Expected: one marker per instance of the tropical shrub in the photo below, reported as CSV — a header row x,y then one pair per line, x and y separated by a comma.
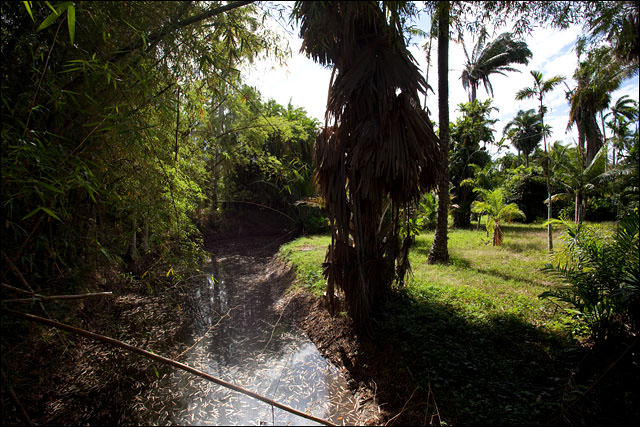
x,y
603,277
525,186
494,206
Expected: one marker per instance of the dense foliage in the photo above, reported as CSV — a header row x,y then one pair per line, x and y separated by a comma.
x,y
603,277
119,137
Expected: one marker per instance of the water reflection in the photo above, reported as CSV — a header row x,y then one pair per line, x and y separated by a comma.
x,y
251,346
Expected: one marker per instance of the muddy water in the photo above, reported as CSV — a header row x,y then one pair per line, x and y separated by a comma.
x,y
248,343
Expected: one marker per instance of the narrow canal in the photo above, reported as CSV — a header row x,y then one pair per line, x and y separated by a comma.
x,y
238,334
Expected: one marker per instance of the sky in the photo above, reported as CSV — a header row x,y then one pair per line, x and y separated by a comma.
x,y
306,83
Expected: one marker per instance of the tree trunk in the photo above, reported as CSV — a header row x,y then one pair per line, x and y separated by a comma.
x,y
613,159
145,235
548,181
526,159
439,251
594,138
426,78
133,253
578,208
604,140
175,160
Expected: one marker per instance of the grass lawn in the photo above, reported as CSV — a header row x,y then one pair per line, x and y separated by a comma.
x,y
475,329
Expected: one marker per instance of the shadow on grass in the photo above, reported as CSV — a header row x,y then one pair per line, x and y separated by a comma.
x,y
502,372
521,246
463,263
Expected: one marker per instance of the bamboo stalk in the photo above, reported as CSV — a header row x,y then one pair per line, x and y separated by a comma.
x,y
26,285
38,297
167,361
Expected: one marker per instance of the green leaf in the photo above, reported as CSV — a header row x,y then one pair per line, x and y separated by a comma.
x,y
48,21
50,213
40,208
71,21
53,9
55,15
27,5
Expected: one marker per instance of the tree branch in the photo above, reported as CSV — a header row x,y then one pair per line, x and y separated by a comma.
x,y
165,360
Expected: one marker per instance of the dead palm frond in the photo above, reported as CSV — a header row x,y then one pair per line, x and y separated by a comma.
x,y
380,149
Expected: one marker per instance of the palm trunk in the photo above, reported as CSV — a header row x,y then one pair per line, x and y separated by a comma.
x,y
604,140
594,138
439,251
548,181
427,74
579,208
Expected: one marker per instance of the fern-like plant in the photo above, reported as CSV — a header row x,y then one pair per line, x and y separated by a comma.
x,y
602,272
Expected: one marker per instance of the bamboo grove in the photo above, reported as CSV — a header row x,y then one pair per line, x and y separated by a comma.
x,y
125,124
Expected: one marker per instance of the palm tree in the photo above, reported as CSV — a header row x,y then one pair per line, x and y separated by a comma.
x,y
492,204
597,77
380,153
624,111
439,252
577,179
525,132
539,89
492,58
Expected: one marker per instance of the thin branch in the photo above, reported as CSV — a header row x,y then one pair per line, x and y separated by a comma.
x,y
15,269
274,329
44,70
205,334
403,407
260,205
38,297
165,360
13,288
16,401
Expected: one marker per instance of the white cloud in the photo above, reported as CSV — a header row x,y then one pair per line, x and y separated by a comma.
x,y
306,83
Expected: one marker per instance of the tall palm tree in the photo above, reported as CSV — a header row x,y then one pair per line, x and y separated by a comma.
x,y
380,153
439,252
540,88
597,76
493,58
625,110
525,132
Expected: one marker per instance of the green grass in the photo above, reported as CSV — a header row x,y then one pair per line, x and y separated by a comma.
x,y
475,329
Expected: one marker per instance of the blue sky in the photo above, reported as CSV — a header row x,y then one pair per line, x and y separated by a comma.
x,y
306,83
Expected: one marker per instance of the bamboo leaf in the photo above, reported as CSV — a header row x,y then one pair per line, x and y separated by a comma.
x,y
27,5
71,21
45,210
56,14
53,9
48,21
51,213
